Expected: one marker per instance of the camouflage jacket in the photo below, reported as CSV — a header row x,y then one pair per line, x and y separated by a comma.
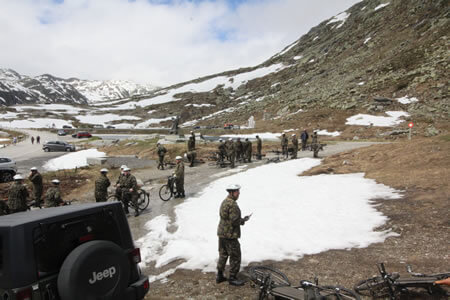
x,y
230,147
221,147
101,184
191,145
129,182
230,220
258,144
53,197
239,146
17,197
284,141
248,147
294,142
161,150
179,170
119,180
36,179
314,138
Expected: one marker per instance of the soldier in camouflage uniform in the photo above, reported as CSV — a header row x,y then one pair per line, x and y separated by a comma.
x,y
315,146
240,154
161,153
229,231
222,150
179,177
244,151
129,188
101,186
231,151
284,145
258,148
191,144
193,139
36,179
17,195
248,150
53,195
117,185
294,141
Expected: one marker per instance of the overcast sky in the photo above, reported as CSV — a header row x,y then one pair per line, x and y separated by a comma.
x,y
151,41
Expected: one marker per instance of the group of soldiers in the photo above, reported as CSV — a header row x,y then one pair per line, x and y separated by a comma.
x,y
238,151
315,146
18,194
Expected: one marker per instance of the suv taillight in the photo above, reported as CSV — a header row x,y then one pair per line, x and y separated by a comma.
x,y
135,255
25,294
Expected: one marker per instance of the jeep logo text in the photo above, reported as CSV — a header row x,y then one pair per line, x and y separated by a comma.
x,y
102,275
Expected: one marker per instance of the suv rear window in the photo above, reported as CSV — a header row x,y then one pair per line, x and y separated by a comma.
x,y
53,242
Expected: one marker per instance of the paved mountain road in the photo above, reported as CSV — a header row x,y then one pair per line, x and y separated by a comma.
x,y
28,155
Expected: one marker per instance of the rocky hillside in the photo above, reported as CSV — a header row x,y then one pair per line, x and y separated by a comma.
x,y
360,61
20,89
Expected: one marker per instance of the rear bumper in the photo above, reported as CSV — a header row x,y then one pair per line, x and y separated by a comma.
x,y
137,290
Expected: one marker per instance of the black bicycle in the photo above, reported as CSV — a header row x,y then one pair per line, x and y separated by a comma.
x,y
274,283
143,199
168,190
391,285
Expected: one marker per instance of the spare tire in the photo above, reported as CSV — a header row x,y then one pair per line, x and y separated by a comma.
x,y
94,270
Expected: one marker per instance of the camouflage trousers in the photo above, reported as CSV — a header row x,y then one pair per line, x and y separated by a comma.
x,y
284,151
229,248
101,196
37,194
258,154
161,162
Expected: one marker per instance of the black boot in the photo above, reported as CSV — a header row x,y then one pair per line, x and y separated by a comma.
x,y
136,213
236,282
182,195
220,277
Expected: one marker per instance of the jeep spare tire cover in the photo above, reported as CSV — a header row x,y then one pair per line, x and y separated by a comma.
x,y
94,270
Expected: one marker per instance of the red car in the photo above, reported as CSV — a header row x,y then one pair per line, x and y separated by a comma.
x,y
82,134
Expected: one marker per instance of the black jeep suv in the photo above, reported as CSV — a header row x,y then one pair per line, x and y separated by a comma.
x,y
75,252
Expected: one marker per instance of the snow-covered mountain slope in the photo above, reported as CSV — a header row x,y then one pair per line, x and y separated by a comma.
x,y
97,90
20,89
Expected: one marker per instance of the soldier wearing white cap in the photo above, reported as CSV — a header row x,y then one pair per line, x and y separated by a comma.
x,y
129,188
179,177
53,195
229,231
117,185
17,195
101,186
36,179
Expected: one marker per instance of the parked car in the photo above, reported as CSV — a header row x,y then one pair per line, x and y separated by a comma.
x,y
98,126
70,252
110,127
81,134
57,146
67,126
62,132
8,169
228,126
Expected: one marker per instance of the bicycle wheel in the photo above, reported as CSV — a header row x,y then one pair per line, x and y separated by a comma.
x,y
143,199
112,197
374,287
259,274
165,193
337,292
